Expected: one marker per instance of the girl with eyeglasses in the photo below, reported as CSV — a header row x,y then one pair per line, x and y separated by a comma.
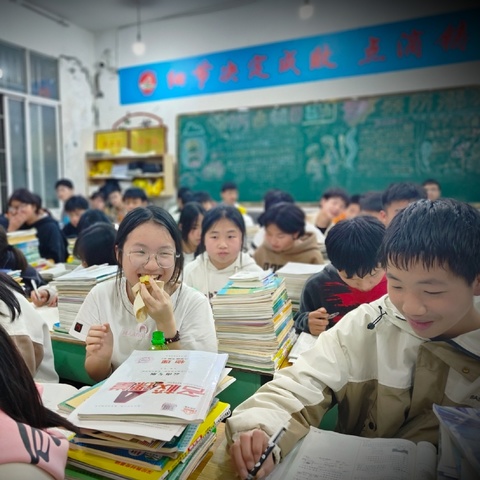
x,y
148,242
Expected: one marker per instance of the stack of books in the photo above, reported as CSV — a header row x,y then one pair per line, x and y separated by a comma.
x,y
27,242
459,449
154,418
254,323
296,275
73,287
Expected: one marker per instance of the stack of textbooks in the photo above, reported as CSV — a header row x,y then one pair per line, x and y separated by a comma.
x,y
73,287
27,242
253,320
459,450
154,418
296,275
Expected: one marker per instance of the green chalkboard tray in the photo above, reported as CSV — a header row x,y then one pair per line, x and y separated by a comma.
x,y
359,144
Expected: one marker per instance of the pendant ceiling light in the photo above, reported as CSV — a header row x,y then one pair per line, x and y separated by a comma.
x,y
138,47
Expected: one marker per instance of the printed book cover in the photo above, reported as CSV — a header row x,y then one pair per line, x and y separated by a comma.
x,y
170,386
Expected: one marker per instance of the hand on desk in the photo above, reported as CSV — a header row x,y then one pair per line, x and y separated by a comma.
x,y
318,321
43,298
246,451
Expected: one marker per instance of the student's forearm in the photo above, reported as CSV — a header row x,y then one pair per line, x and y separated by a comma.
x,y
97,368
301,321
25,346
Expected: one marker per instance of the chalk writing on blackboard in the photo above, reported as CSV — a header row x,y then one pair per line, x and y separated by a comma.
x,y
358,144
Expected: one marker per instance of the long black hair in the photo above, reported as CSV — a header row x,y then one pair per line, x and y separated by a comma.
x,y
19,396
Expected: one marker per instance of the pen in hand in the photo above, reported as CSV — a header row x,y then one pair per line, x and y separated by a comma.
x,y
333,315
35,288
272,442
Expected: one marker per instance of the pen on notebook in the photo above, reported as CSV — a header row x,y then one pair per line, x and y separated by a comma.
x,y
272,442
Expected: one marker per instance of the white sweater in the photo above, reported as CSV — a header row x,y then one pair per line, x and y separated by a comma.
x,y
202,275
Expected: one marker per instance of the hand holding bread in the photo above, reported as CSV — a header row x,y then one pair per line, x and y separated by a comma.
x,y
139,307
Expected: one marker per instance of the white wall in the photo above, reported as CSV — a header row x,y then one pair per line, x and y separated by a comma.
x,y
261,22
76,52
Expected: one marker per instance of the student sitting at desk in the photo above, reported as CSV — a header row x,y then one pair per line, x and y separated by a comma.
x,y
354,276
28,329
223,237
74,207
397,196
148,242
95,245
286,239
386,363
12,258
333,203
274,197
24,212
27,447
190,224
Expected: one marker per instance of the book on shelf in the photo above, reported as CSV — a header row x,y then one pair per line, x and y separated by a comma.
x,y
327,454
459,450
169,386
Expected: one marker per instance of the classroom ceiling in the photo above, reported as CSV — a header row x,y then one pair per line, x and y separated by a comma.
x,y
100,15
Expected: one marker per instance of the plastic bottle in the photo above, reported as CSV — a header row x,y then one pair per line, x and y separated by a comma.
x,y
158,341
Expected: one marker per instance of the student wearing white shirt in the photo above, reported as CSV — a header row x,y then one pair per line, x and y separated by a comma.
x,y
223,237
148,242
28,330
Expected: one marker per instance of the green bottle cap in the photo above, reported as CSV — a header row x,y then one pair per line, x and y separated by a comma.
x,y
158,338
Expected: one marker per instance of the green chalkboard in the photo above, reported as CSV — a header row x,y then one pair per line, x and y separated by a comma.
x,y
359,144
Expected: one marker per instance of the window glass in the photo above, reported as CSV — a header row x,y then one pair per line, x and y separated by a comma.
x,y
43,76
12,67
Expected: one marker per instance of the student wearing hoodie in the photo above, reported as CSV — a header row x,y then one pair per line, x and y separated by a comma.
x,y
388,362
285,239
221,255
24,212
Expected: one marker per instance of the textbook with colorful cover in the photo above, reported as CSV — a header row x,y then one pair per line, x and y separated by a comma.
x,y
169,386
332,455
135,464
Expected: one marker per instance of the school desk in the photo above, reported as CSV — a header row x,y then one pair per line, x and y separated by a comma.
x,y
69,359
217,464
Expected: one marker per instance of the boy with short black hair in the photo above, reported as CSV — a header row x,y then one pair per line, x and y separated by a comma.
x,y
433,189
75,207
134,197
353,277
371,204
333,203
229,193
397,196
388,362
64,189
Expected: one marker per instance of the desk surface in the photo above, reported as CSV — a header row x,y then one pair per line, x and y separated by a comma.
x,y
216,465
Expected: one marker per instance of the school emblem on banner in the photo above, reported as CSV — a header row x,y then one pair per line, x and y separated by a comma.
x,y
147,82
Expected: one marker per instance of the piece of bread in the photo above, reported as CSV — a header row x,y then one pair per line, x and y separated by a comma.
x,y
138,304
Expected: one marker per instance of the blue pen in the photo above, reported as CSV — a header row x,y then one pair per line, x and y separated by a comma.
x,y
272,442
